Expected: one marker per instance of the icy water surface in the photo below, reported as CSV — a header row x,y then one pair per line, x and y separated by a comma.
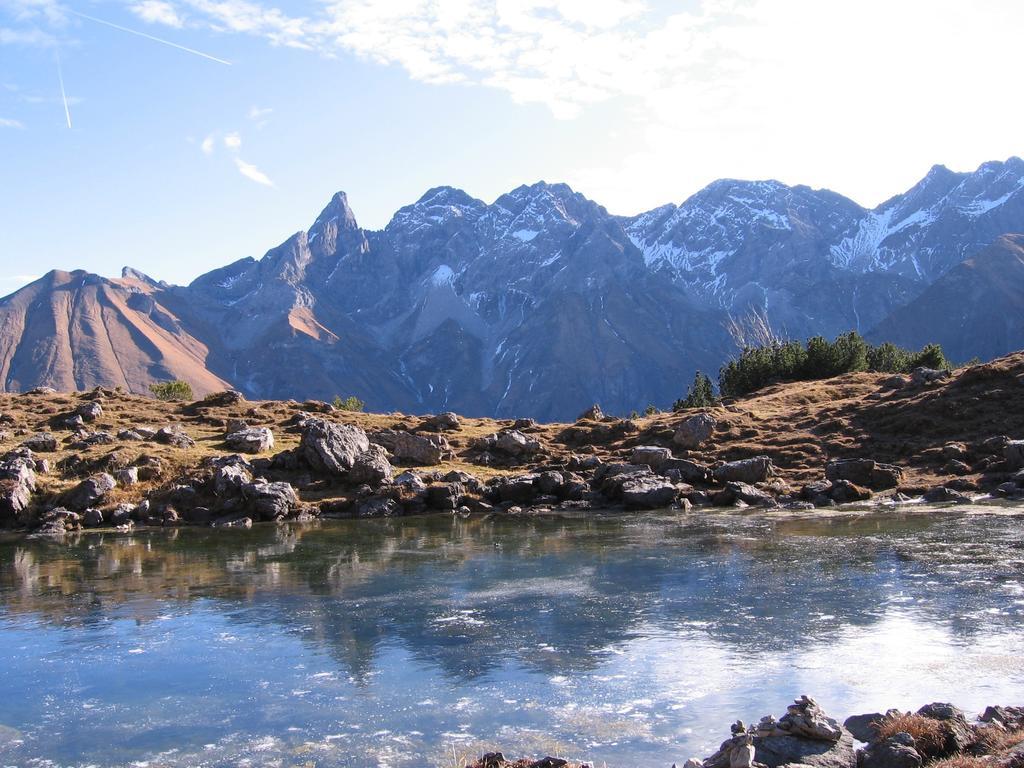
x,y
626,641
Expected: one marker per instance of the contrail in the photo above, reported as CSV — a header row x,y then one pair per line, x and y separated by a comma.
x,y
63,95
150,37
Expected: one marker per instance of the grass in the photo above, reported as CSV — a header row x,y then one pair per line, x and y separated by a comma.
x,y
930,734
992,740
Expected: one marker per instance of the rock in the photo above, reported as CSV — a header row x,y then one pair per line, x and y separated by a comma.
x,y
753,470
897,381
225,398
956,467
422,450
42,391
959,734
92,518
331,447
593,413
895,752
647,492
371,467
805,718
120,515
131,435
845,492
940,495
175,436
17,483
270,501
150,468
1013,452
127,476
511,442
865,472
379,506
695,431
776,751
235,425
445,496
864,727
96,438
924,376
954,451
230,475
521,488
89,411
89,492
744,492
689,471
43,442
74,422
410,480
251,440
442,422
651,455
243,523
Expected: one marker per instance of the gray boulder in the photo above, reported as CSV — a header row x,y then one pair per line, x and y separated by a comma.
x,y
1014,454
44,442
651,455
511,442
422,450
689,471
251,440
647,492
865,472
695,431
923,376
175,436
442,422
744,492
17,483
127,476
270,501
754,470
895,752
89,492
331,447
89,411
371,467
230,475
942,495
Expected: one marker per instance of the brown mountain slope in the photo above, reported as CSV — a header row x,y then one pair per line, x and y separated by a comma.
x,y
76,331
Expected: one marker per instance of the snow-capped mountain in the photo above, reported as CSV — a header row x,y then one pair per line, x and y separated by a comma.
x,y
542,302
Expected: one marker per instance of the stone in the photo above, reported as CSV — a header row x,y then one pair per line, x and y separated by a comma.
x,y
225,398
648,492
754,470
422,450
331,447
379,506
863,727
1013,452
521,488
43,442
442,422
175,436
695,431
954,451
120,515
92,518
127,476
243,523
895,752
89,492
131,435
744,492
593,413
230,475
270,501
920,377
865,472
235,425
371,467
959,734
651,455
410,480
941,495
251,440
89,411
845,492
689,471
896,381
445,496
511,442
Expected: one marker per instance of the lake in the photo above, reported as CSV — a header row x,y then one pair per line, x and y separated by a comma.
x,y
630,640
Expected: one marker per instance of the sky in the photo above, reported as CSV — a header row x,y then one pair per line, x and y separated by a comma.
x,y
176,136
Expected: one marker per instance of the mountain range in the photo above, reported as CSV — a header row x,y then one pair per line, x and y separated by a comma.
x,y
542,302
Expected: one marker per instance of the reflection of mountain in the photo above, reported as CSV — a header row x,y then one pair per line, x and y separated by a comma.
x,y
554,596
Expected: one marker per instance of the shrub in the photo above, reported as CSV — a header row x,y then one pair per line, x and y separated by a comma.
x,y
350,403
819,358
699,395
173,390
929,734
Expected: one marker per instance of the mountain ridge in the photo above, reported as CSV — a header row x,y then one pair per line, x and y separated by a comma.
x,y
538,303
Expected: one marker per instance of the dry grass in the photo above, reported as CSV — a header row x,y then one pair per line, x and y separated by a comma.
x,y
993,740
929,734
960,761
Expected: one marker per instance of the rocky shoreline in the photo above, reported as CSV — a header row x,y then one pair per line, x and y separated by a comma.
x,y
91,460
938,735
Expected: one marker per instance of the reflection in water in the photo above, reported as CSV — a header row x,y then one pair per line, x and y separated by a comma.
x,y
631,640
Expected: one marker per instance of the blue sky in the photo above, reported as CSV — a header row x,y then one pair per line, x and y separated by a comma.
x,y
176,164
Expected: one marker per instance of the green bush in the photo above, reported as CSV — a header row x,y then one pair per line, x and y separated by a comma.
x,y
819,358
350,403
172,390
699,395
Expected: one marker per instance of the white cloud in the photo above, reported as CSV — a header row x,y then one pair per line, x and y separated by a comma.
x,y
252,173
233,141
157,12
6,122
208,145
